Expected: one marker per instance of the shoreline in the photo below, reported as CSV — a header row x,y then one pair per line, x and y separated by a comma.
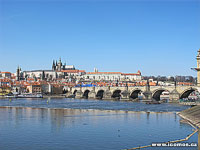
x,y
44,96
191,115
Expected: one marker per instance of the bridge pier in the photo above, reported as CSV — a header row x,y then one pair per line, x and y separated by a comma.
x,y
79,94
147,96
174,96
92,94
69,94
125,95
107,94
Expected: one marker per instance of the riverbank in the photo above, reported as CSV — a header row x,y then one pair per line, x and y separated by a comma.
x,y
192,115
44,96
54,96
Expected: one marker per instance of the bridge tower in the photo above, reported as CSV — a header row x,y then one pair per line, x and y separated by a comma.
x,y
198,68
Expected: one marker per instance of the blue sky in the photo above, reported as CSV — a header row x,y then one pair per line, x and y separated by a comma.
x,y
156,37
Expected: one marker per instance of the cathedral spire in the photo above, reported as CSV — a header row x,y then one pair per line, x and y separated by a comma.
x,y
60,65
53,65
18,73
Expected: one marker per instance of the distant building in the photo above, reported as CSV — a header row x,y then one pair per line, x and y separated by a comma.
x,y
73,72
5,90
103,76
113,76
59,70
19,74
5,74
42,74
34,89
58,66
5,82
132,76
52,89
16,89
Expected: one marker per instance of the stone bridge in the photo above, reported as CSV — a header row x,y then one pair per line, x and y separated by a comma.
x,y
130,93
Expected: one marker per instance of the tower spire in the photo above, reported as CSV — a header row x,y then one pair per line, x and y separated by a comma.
x,y
18,73
53,65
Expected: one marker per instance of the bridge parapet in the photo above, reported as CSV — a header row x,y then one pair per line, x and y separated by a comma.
x,y
175,92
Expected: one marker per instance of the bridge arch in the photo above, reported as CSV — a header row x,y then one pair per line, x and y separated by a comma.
x,y
99,94
156,94
65,91
85,93
135,93
116,94
187,92
74,92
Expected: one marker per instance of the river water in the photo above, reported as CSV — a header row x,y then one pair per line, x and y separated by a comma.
x,y
72,124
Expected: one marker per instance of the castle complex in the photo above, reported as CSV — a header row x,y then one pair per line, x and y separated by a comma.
x,y
70,73
59,70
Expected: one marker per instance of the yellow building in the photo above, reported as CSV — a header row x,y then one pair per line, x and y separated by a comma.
x,y
5,90
34,89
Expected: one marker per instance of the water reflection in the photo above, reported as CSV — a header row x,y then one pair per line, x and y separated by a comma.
x,y
92,104
45,128
69,117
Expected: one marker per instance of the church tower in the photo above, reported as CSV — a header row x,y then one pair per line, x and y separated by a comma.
x,y
198,68
60,65
53,66
18,73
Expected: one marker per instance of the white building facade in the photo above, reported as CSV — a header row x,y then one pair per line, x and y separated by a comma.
x,y
113,76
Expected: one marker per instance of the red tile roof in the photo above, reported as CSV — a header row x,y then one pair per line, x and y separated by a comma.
x,y
70,71
114,73
5,72
132,74
104,73
30,79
